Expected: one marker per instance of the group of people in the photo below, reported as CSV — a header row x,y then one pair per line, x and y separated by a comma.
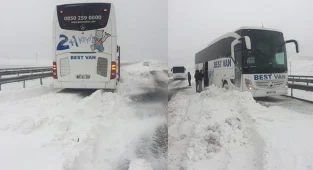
x,y
198,78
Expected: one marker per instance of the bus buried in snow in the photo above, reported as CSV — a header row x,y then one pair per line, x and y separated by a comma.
x,y
248,59
85,46
179,72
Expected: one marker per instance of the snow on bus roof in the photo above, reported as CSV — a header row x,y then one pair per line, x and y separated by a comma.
x,y
235,35
258,28
230,34
83,2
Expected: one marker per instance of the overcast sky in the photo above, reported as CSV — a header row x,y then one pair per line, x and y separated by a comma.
x,y
26,28
194,24
176,29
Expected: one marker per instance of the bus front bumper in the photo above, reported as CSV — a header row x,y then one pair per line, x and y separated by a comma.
x,y
265,93
85,85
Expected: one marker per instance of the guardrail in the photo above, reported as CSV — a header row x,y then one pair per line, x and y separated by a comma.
x,y
18,71
300,79
23,68
40,73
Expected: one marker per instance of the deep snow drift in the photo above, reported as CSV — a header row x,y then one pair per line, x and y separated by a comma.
x,y
228,130
85,129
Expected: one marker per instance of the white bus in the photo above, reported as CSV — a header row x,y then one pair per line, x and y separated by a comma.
x,y
85,46
179,73
249,59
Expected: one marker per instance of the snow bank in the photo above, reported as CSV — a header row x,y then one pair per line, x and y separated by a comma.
x,y
230,130
82,129
136,80
221,131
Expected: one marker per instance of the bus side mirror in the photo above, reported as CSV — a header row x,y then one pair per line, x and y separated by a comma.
x,y
248,42
117,49
296,43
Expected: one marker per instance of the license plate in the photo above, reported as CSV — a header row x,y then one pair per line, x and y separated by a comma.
x,y
83,76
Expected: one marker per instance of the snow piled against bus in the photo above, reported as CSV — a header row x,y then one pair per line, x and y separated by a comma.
x,y
229,130
79,130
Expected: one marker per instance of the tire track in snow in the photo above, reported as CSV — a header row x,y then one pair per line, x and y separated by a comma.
x,y
132,129
184,114
298,106
176,86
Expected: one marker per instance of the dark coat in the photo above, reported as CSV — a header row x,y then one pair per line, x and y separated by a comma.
x,y
197,75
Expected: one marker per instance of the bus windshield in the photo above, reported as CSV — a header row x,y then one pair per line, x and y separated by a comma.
x,y
83,17
178,69
267,54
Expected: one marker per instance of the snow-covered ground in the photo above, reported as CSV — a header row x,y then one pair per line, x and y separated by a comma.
x,y
229,130
45,128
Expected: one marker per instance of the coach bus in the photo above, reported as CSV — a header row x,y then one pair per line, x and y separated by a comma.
x,y
249,59
179,73
85,50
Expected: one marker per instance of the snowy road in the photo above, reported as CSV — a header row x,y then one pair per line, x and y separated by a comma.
x,y
230,131
45,128
288,103
176,85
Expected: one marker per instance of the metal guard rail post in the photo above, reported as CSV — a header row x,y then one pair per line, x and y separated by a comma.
x,y
24,78
300,79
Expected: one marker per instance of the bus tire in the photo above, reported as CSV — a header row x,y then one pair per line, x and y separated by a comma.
x,y
225,85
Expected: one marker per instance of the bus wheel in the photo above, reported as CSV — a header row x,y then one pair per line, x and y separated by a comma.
x,y
225,85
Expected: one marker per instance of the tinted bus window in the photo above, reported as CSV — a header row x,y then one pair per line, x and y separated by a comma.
x,y
178,69
83,17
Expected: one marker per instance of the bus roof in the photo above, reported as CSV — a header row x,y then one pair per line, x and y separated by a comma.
x,y
85,2
257,28
235,35
230,34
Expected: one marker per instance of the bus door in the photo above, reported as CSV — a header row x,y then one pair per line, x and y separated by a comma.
x,y
238,64
206,74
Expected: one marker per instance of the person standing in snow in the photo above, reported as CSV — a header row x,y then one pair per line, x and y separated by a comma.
x,y
197,76
189,78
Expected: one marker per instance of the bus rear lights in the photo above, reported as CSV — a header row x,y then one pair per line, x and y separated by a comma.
x,y
113,70
54,70
105,10
61,12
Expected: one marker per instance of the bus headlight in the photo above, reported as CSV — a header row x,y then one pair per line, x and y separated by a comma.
x,y
249,84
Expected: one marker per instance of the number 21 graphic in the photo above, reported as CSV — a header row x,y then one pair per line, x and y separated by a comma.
x,y
61,45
